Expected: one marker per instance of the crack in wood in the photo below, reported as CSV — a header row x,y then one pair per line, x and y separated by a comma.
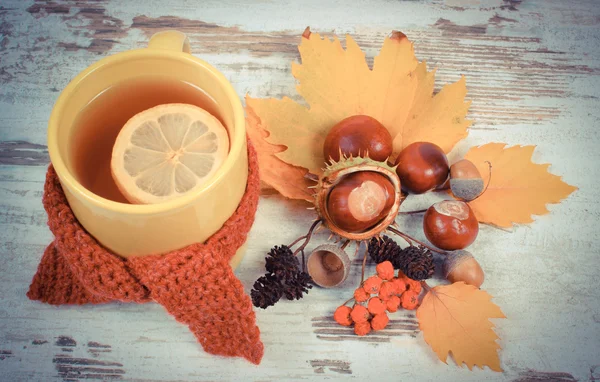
x,y
327,329
209,38
65,341
538,376
23,153
4,354
86,368
93,344
354,337
91,21
321,365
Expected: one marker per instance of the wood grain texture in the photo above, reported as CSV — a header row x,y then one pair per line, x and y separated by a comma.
x,y
533,76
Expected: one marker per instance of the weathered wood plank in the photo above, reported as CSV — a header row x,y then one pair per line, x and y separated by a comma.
x,y
532,71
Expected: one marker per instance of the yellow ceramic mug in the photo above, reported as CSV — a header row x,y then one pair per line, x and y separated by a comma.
x,y
135,230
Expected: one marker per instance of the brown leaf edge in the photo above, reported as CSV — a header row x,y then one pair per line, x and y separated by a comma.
x,y
487,177
289,180
431,291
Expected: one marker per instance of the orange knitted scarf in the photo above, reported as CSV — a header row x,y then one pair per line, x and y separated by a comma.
x,y
194,284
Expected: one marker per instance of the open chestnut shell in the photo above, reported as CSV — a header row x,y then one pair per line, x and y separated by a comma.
x,y
358,198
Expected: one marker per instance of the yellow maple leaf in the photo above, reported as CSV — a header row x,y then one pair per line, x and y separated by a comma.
x,y
337,83
455,318
518,188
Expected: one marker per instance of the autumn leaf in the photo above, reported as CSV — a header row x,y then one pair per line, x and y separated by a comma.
x,y
518,188
455,318
337,83
289,180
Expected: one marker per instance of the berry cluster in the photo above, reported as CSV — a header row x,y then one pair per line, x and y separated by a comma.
x,y
375,297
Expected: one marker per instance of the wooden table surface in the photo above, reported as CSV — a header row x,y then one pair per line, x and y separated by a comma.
x,y
532,71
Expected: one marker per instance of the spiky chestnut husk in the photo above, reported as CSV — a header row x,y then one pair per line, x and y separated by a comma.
x,y
335,173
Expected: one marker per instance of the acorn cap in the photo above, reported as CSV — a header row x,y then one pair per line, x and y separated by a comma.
x,y
466,189
328,265
453,259
465,180
471,272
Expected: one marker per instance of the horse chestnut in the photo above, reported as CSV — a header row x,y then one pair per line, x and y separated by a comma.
x,y
358,135
465,180
450,225
422,166
360,200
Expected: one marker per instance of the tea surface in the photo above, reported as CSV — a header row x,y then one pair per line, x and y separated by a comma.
x,y
98,124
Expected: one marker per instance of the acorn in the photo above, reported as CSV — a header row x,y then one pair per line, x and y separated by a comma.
x,y
422,167
466,182
461,266
358,198
358,135
328,265
450,225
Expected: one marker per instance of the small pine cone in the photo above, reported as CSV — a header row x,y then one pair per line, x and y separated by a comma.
x,y
281,263
266,291
295,287
416,263
405,256
383,249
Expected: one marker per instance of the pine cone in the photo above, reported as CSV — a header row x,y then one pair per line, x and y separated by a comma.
x,y
383,249
296,286
281,263
416,263
267,290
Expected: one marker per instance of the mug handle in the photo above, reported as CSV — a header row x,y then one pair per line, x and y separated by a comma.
x,y
170,40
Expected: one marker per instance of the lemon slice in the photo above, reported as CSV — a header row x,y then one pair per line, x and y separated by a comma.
x,y
167,151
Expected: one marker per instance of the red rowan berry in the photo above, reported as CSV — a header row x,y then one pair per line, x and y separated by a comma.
x,y
385,270
380,321
372,284
362,328
376,306
387,290
414,285
409,300
359,314
400,284
361,295
393,304
342,315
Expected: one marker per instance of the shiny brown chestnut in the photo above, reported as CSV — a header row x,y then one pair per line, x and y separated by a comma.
x,y
422,166
356,136
465,180
360,200
450,225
